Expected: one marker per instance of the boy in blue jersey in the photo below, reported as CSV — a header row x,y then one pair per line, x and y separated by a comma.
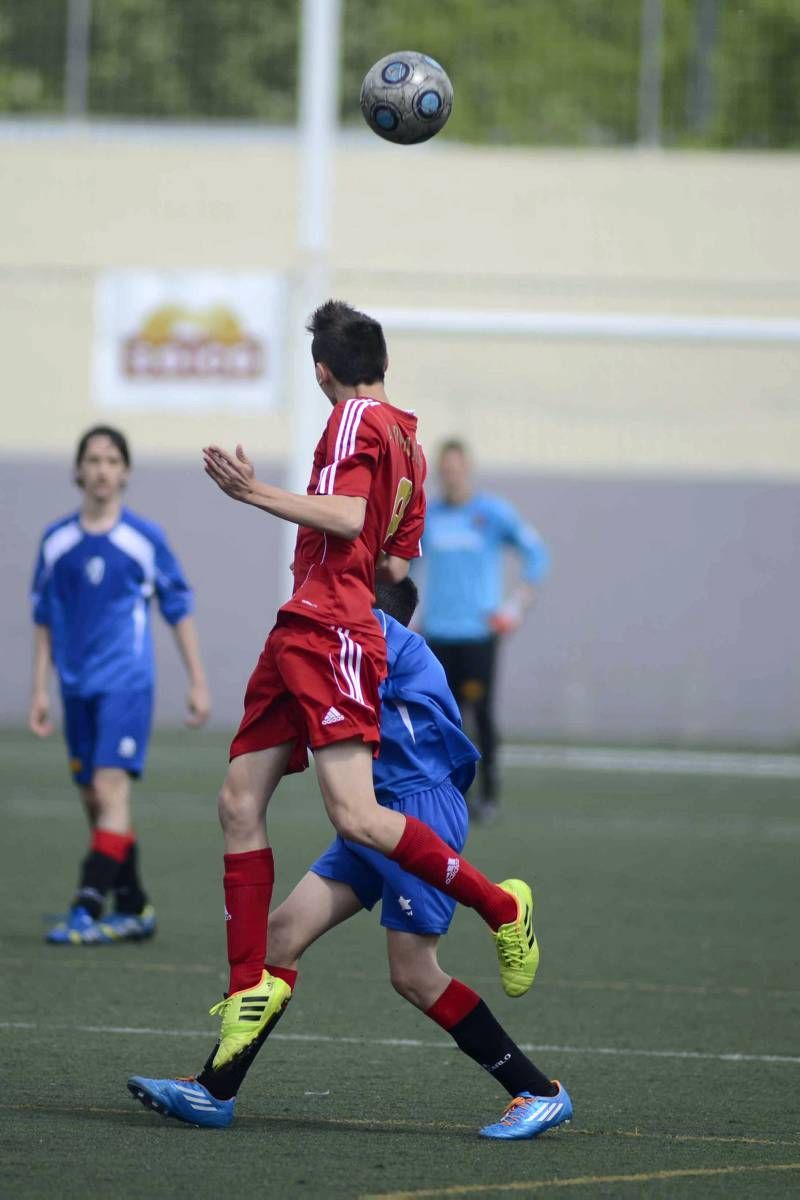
x,y
463,610
96,572
425,764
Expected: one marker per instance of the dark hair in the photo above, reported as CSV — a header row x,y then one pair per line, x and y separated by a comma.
x,y
399,600
113,435
453,445
348,342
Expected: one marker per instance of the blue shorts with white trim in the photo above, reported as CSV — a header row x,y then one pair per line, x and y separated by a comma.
x,y
108,730
409,904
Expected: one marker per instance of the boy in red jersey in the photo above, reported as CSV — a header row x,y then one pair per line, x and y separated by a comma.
x,y
316,681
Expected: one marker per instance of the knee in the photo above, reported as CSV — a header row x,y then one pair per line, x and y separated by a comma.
x,y
237,807
106,792
408,983
354,825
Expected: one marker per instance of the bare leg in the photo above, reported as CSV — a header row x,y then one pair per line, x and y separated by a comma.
x,y
249,784
108,805
90,804
454,1007
112,799
249,870
344,770
315,906
414,967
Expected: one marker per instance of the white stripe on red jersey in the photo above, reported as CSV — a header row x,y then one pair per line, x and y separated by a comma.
x,y
345,442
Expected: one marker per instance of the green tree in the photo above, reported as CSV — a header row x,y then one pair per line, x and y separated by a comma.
x,y
758,75
32,57
530,72
195,58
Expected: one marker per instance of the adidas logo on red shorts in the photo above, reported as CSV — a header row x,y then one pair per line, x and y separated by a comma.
x,y
332,716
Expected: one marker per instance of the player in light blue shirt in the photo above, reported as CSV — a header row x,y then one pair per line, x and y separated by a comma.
x,y
464,611
96,573
425,764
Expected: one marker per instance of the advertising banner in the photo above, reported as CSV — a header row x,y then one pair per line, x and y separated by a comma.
x,y
188,340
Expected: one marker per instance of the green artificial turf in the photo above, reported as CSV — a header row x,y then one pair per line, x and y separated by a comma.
x,y
666,911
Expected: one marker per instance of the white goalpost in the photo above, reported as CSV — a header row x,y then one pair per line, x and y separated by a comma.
x,y
654,327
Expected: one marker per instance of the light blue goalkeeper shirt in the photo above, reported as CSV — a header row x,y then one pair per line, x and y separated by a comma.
x,y
462,567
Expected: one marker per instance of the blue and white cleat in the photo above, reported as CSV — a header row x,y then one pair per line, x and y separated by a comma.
x,y
527,1116
78,928
185,1099
130,927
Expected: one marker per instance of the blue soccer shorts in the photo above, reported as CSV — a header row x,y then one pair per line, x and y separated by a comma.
x,y
408,903
109,730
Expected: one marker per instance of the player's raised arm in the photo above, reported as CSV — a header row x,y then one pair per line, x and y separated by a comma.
x,y
341,516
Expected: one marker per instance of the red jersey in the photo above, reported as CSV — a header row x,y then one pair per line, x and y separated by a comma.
x,y
368,449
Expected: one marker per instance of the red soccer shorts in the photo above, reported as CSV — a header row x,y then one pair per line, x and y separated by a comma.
x,y
313,685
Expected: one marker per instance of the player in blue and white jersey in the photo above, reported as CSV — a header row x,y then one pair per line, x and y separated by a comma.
x,y
96,573
464,612
425,764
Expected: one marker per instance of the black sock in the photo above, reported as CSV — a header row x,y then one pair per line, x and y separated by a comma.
x,y
129,894
480,1036
98,872
225,1082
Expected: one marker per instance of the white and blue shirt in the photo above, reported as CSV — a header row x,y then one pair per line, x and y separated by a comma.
x,y
463,564
93,591
422,742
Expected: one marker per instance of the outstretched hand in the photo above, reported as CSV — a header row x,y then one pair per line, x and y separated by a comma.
x,y
234,475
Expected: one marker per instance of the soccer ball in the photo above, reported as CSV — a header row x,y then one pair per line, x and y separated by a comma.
x,y
406,97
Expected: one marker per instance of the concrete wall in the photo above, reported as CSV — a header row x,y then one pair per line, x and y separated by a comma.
x,y
666,478
604,231
671,612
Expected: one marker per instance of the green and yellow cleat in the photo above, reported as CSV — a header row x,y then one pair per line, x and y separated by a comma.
x,y
517,948
247,1017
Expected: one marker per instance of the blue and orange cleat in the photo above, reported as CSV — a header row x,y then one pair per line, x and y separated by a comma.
x,y
185,1099
527,1116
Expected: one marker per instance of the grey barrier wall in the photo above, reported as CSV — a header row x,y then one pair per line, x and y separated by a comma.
x,y
671,613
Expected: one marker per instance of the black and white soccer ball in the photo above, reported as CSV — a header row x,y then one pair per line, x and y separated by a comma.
x,y
406,97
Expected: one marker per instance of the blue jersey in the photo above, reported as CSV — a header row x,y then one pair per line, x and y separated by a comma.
x,y
422,742
93,591
463,564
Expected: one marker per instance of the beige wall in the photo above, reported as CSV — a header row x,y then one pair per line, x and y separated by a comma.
x,y
605,231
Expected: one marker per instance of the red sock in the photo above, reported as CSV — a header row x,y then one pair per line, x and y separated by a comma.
x,y
248,884
113,845
456,1002
285,973
423,853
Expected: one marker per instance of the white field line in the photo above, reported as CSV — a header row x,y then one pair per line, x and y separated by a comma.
x,y
654,762
413,1043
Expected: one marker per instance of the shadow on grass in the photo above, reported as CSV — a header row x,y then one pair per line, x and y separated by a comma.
x,y
248,1123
